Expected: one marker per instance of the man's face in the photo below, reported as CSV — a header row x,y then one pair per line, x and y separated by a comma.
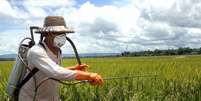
x,y
51,38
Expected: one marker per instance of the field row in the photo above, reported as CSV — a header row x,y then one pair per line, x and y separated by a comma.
x,y
178,78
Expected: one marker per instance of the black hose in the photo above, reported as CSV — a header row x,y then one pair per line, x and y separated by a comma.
x,y
75,50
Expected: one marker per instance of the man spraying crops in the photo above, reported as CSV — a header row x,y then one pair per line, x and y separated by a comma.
x,y
46,56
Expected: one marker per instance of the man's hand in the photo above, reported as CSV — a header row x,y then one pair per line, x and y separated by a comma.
x,y
95,79
82,67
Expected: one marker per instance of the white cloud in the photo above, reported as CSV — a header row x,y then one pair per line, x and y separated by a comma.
x,y
106,23
42,8
169,24
136,24
11,39
7,11
49,3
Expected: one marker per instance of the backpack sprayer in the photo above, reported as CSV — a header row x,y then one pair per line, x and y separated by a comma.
x,y
17,77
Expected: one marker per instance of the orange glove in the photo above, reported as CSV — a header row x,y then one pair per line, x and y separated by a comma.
x,y
82,67
95,79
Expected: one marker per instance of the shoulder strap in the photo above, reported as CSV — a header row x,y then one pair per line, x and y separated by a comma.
x,y
28,77
60,51
42,45
25,80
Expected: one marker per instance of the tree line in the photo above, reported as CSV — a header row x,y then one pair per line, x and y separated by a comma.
x,y
169,52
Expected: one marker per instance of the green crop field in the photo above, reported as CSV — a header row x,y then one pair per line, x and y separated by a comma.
x,y
178,79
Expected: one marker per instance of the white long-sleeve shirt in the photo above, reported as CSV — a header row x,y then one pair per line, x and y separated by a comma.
x,y
48,65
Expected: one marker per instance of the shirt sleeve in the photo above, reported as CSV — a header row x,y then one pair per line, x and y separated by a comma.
x,y
43,62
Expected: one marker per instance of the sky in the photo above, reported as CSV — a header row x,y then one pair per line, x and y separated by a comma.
x,y
106,26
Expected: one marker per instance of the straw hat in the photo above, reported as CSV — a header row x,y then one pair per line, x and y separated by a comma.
x,y
55,25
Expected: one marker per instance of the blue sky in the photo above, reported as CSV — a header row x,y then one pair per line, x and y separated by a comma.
x,y
106,25
96,2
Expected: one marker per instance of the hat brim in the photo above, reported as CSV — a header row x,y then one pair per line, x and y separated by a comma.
x,y
55,30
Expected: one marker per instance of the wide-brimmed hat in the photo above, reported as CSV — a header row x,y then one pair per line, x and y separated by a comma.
x,y
55,25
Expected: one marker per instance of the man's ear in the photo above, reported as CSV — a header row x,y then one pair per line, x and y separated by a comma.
x,y
49,38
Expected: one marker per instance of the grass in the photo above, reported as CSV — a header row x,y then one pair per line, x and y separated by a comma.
x,y
5,68
179,78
